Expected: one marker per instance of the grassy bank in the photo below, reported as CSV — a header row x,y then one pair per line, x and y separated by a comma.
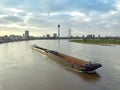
x,y
97,41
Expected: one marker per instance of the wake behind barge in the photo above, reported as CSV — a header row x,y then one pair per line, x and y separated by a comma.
x,y
69,61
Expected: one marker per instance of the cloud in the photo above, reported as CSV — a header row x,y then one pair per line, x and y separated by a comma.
x,y
78,5
117,4
86,16
12,19
14,10
11,3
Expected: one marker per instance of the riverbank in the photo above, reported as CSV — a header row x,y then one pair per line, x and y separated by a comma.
x,y
97,41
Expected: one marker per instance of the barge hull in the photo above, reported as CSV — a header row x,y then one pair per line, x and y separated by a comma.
x,y
69,61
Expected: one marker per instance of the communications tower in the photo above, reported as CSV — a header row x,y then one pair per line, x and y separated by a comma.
x,y
58,30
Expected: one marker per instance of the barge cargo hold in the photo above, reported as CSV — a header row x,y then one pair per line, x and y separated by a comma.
x,y
69,61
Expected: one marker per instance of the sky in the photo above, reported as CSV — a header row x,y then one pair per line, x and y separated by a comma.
x,y
41,17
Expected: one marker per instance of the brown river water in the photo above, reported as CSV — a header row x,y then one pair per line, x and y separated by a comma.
x,y
22,68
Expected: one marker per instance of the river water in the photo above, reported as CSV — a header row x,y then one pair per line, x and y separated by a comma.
x,y
22,68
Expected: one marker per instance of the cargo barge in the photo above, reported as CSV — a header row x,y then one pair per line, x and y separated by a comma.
x,y
69,61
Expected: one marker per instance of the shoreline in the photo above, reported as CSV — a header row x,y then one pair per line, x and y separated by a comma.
x,y
98,42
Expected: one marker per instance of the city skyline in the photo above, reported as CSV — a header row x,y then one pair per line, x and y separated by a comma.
x,y
41,17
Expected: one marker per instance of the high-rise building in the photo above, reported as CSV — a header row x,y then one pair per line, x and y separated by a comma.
x,y
69,33
48,35
54,35
26,35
